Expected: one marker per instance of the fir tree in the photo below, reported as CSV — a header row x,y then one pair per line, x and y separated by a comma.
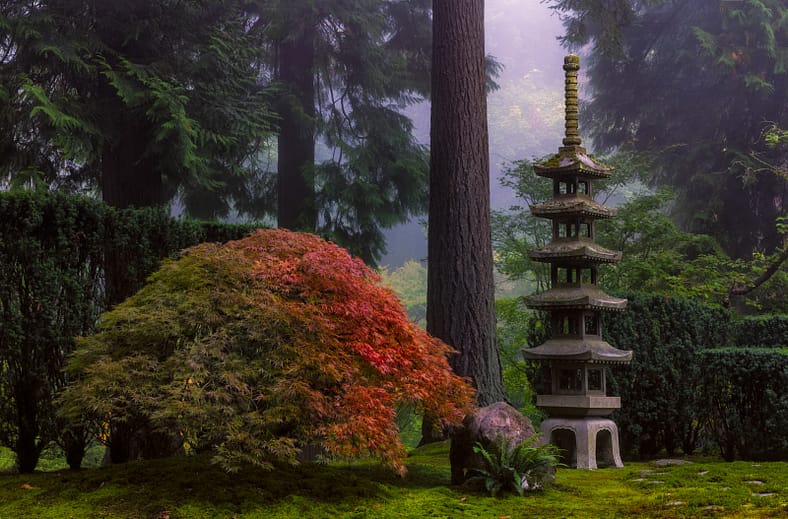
x,y
698,85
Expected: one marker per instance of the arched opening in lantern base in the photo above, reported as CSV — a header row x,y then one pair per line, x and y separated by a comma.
x,y
604,449
565,440
585,443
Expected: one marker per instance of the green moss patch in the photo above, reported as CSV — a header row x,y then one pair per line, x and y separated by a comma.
x,y
191,487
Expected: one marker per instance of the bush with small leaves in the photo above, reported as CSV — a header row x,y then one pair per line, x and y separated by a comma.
x,y
259,347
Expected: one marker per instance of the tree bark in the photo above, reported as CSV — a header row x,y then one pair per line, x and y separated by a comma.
x,y
129,177
296,209
27,447
460,290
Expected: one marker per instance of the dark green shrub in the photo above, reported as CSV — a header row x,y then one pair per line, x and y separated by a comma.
x,y
769,331
746,401
661,389
51,257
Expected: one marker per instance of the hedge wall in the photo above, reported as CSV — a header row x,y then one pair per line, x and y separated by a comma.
x,y
661,389
63,260
770,331
746,402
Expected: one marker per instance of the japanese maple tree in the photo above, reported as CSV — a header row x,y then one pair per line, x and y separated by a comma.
x,y
258,347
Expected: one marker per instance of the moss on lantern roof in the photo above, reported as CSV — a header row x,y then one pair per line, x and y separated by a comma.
x,y
572,159
578,350
572,205
574,296
575,250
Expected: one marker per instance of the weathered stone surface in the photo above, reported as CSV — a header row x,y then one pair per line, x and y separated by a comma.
x,y
485,426
583,440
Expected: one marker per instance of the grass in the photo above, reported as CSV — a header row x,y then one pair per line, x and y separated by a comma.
x,y
190,487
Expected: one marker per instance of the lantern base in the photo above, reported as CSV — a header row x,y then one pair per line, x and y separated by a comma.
x,y
587,443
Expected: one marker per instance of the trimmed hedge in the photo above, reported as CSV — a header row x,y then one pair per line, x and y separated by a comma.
x,y
770,331
747,402
63,260
661,389
694,380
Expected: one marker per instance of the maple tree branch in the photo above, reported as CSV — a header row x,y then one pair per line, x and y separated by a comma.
x,y
739,290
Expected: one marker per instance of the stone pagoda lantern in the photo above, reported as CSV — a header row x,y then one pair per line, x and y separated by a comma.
x,y
577,405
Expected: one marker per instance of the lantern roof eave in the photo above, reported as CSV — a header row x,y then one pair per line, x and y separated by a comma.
x,y
576,251
572,205
572,160
576,297
581,350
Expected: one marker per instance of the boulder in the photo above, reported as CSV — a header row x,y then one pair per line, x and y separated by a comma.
x,y
485,426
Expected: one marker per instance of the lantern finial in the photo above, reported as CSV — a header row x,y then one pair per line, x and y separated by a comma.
x,y
571,66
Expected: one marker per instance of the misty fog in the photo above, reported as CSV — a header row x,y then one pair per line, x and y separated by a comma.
x,y
525,115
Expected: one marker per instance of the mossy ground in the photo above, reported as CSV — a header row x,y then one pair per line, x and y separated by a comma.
x,y
190,487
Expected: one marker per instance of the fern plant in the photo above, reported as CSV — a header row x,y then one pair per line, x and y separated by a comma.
x,y
522,467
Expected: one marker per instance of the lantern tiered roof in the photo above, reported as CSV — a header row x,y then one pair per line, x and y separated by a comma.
x,y
576,401
574,300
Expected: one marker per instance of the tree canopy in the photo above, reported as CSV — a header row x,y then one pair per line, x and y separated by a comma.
x,y
346,70
157,101
142,99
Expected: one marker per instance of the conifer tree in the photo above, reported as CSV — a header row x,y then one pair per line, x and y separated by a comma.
x,y
142,99
346,69
460,291
697,85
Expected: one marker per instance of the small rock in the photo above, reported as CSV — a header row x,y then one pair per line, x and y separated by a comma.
x,y
763,494
676,503
703,472
754,482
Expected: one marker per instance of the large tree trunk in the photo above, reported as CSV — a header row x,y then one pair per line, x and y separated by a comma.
x,y
129,177
296,208
27,447
460,291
